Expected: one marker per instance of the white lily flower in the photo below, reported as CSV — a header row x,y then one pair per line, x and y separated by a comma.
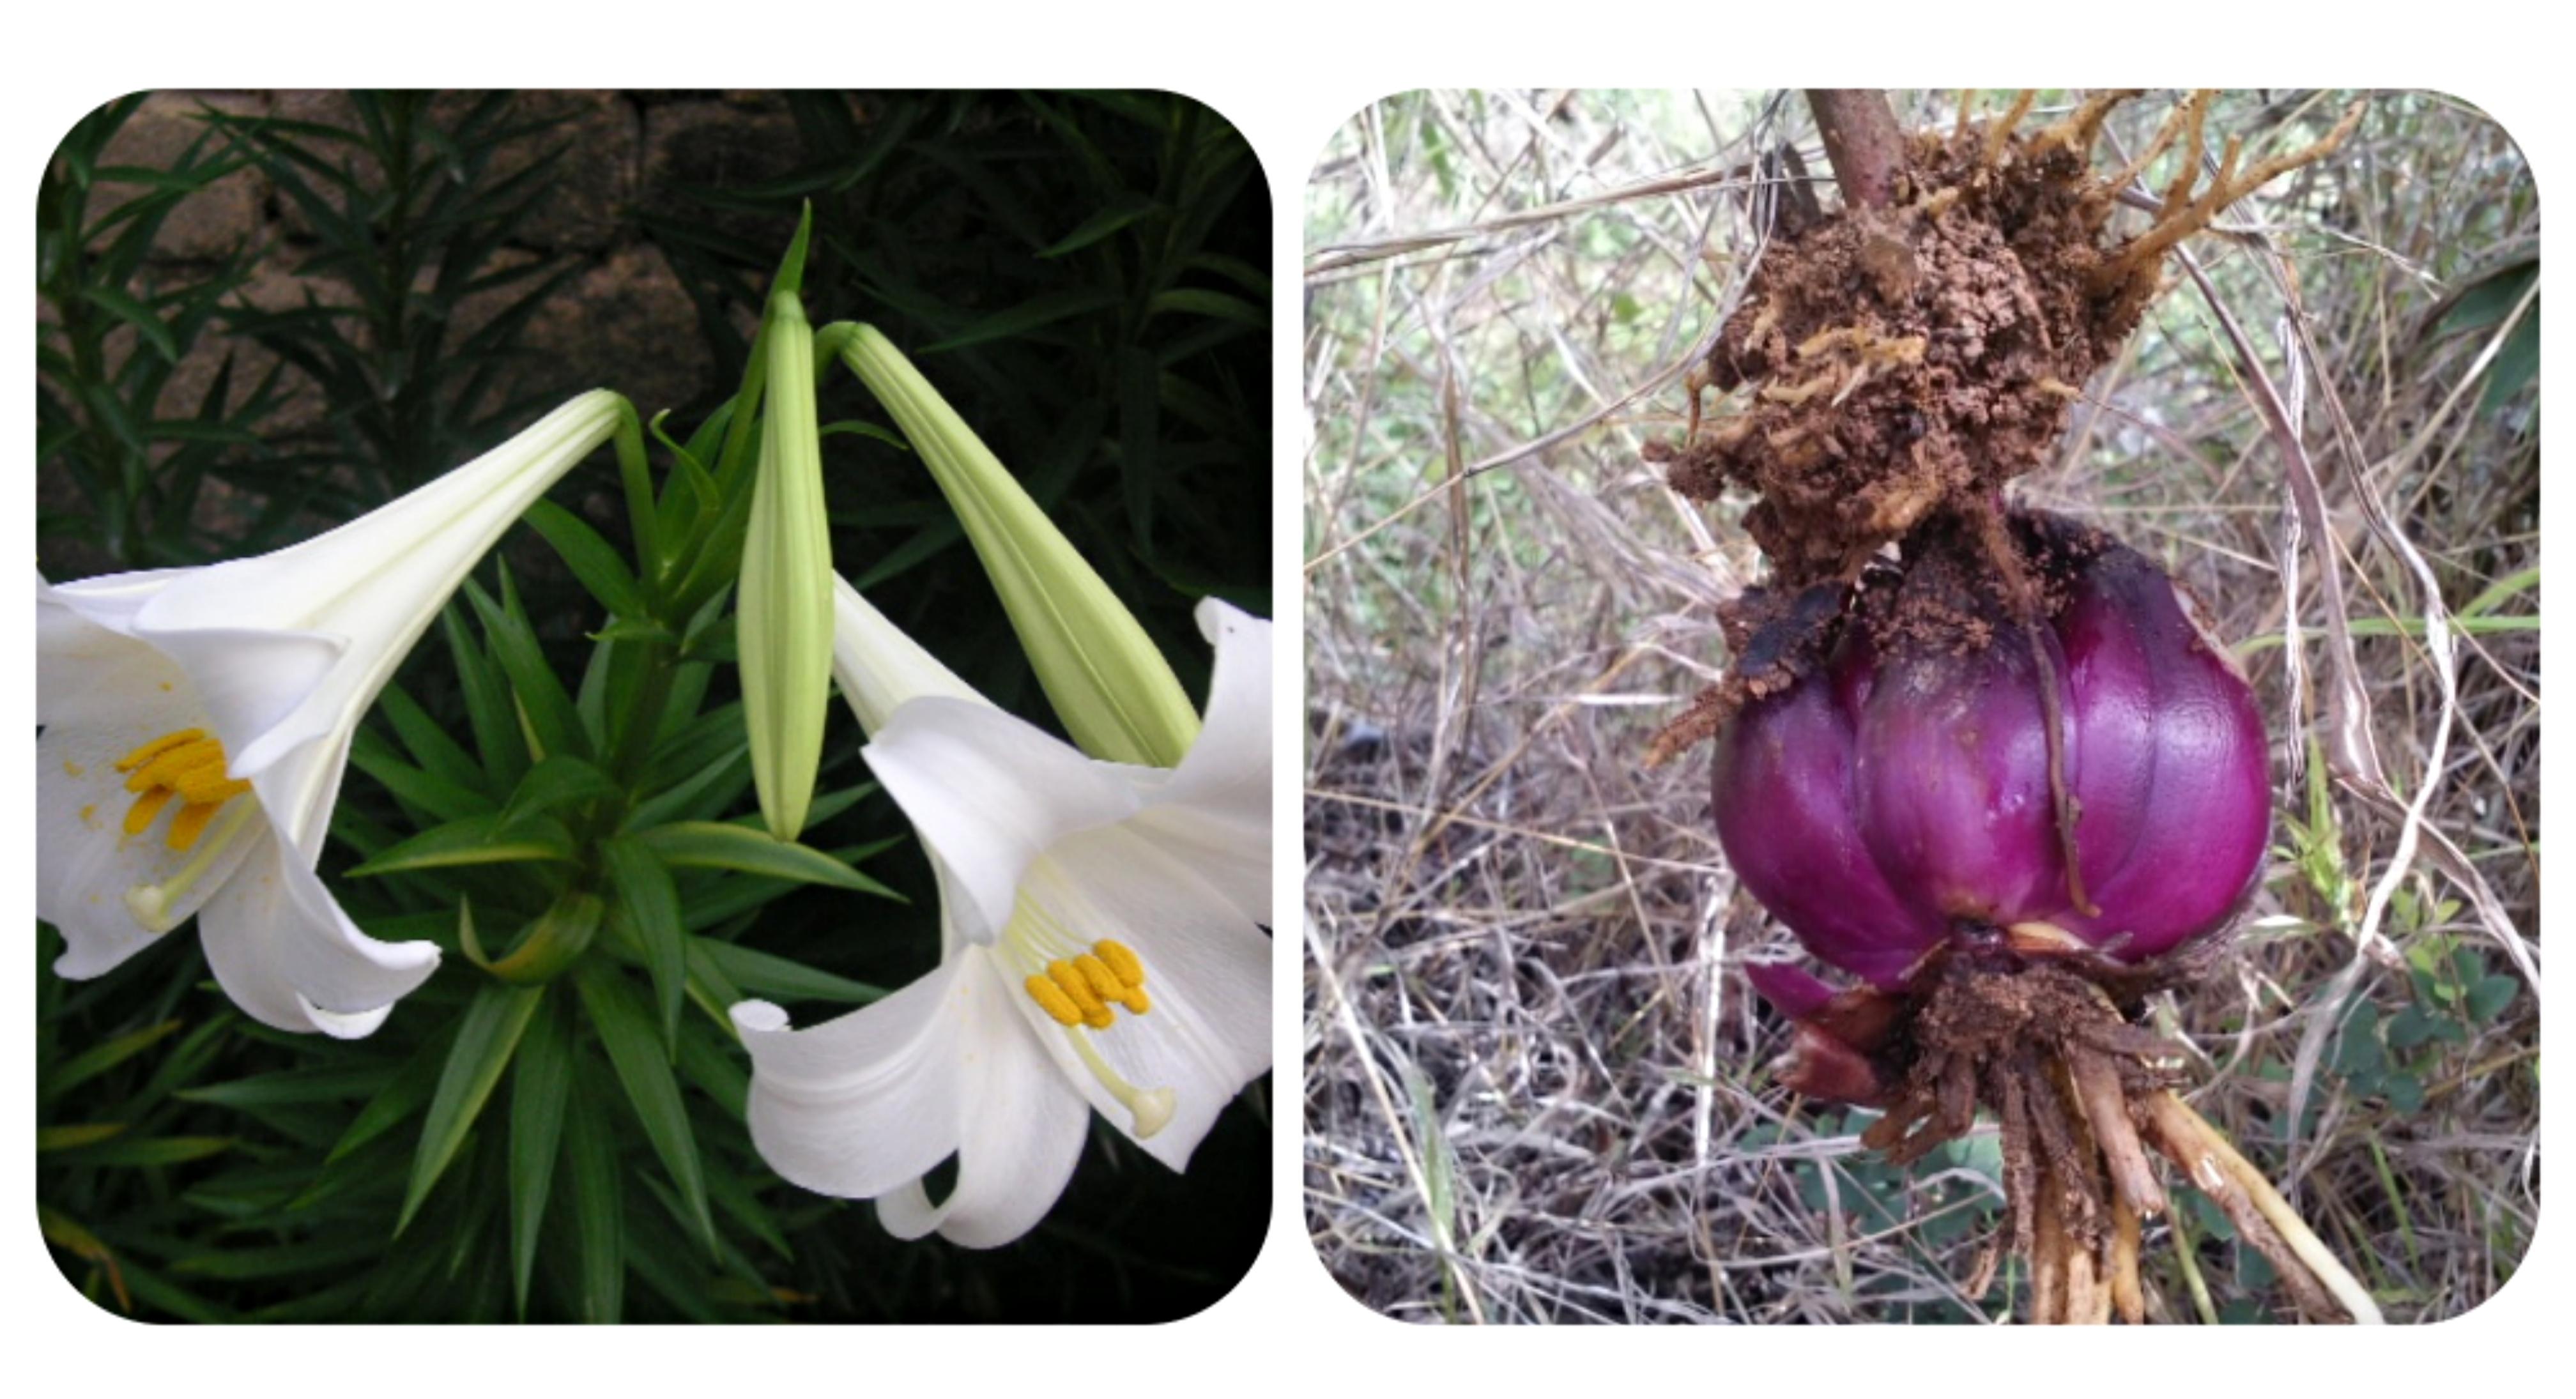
x,y
195,724
1101,949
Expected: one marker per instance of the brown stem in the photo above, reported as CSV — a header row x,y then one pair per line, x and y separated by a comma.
x,y
1863,141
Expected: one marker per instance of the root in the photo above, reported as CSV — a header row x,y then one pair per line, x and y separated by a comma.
x,y
2307,1267
2080,1096
2182,215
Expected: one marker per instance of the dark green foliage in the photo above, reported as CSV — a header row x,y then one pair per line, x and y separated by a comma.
x,y
137,475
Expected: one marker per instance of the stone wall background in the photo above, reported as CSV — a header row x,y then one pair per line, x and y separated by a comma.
x,y
624,316
622,320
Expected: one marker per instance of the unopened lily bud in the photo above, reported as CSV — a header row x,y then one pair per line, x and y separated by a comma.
x,y
785,632
1115,694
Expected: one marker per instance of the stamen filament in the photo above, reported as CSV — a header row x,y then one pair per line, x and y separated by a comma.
x,y
1150,1107
188,766
151,903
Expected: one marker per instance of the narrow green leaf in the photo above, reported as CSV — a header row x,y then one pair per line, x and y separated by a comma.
x,y
2498,592
560,781
766,974
552,941
68,1135
146,1151
539,1083
650,909
98,1059
598,1183
544,706
125,308
402,1096
474,841
488,710
626,1031
1194,301
445,800
592,559
1032,314
485,1040
716,845
292,1087
437,753
1102,224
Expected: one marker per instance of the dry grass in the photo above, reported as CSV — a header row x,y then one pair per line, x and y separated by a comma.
x,y
1533,1076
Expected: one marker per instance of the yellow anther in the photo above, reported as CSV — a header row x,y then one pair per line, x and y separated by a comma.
x,y
208,785
156,747
167,769
1104,982
147,810
1077,989
1053,1001
190,823
1121,961
1135,1001
187,766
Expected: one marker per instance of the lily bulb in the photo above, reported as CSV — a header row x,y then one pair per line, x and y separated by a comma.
x,y
1896,801
1108,685
194,725
1102,950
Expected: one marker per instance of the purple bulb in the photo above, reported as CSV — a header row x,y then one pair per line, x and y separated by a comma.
x,y
1897,797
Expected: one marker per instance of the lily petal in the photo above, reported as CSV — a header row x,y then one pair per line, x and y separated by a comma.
x,y
90,666
878,667
989,793
1214,809
865,1102
101,693
292,647
283,950
1020,1135
1207,973
84,858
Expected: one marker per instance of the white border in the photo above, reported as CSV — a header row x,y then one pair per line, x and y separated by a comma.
x,y
1287,76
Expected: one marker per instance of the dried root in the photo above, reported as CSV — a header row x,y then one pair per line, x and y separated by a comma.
x,y
2081,1096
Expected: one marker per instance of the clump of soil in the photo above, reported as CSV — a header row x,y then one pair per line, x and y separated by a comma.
x,y
1905,359
1899,362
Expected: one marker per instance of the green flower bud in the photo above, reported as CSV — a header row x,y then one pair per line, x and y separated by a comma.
x,y
1115,694
784,610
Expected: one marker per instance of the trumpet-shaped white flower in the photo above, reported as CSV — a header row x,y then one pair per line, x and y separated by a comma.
x,y
195,724
1101,950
